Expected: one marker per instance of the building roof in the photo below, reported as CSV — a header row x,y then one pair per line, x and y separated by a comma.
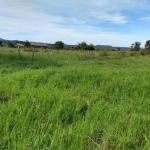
x,y
39,44
18,44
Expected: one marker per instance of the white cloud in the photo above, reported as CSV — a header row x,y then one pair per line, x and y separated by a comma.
x,y
115,18
145,18
50,33
81,10
70,21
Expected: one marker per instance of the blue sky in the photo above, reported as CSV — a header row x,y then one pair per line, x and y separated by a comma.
x,y
101,22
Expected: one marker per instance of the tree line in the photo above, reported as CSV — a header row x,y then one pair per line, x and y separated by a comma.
x,y
136,46
82,46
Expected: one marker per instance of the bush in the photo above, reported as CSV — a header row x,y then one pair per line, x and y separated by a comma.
x,y
122,54
143,53
1,44
133,53
59,45
11,45
146,52
104,54
30,49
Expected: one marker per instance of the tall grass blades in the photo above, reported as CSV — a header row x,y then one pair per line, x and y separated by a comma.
x,y
73,103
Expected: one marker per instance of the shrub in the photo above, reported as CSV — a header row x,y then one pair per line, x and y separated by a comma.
x,y
133,53
104,54
11,45
30,49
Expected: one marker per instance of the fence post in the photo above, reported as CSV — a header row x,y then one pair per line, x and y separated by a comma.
x,y
32,54
89,54
42,50
19,49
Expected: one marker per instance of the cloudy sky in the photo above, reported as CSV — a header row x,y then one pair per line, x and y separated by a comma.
x,y
101,22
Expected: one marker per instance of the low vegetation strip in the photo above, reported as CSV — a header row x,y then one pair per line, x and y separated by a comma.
x,y
70,103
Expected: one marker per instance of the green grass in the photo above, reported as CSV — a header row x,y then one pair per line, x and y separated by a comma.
x,y
64,101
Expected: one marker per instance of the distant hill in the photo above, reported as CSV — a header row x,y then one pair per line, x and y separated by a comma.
x,y
5,42
109,47
101,47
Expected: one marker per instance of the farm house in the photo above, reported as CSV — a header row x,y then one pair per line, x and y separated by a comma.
x,y
33,44
38,44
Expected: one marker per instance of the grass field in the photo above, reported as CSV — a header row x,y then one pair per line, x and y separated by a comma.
x,y
65,101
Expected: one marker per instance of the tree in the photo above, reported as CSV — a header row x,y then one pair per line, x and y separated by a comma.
x,y
85,46
90,47
118,48
82,45
136,46
132,45
11,45
27,44
59,45
147,45
1,44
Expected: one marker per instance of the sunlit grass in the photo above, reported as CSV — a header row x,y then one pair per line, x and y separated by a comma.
x,y
66,101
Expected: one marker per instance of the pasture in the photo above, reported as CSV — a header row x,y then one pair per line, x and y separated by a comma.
x,y
67,101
